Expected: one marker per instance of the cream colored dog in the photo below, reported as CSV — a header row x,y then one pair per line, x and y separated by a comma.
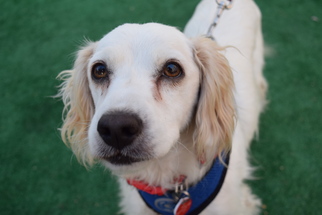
x,y
153,104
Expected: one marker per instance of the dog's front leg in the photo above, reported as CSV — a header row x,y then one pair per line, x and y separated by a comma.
x,y
131,202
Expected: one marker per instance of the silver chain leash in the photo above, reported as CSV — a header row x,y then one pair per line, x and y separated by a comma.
x,y
222,5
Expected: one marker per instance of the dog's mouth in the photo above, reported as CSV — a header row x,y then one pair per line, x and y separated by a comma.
x,y
120,159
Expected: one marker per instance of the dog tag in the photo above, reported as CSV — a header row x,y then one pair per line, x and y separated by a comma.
x,y
183,206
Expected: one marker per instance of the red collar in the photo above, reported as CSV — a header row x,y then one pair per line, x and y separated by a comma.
x,y
154,190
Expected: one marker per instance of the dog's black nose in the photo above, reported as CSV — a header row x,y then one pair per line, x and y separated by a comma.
x,y
119,129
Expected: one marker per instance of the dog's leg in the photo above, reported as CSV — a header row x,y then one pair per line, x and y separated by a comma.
x,y
131,202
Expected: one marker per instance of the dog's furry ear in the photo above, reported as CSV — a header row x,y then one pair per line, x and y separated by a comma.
x,y
79,107
215,111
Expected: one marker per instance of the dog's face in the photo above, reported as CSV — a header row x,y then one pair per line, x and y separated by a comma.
x,y
131,94
144,85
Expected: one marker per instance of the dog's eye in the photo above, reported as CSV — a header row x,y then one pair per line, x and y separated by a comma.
x,y
172,70
99,71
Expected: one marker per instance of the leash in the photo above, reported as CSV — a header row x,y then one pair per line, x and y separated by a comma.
x,y
222,6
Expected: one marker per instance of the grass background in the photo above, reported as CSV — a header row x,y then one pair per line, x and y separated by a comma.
x,y
39,175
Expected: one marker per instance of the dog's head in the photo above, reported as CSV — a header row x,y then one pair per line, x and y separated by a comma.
x,y
131,95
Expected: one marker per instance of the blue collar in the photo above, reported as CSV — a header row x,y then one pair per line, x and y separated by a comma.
x,y
201,194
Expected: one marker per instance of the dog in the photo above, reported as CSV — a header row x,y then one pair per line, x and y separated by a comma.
x,y
160,108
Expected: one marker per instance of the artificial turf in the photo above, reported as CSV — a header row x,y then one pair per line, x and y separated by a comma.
x,y
39,175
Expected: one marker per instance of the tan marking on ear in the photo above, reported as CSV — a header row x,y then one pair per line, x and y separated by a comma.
x,y
215,111
79,107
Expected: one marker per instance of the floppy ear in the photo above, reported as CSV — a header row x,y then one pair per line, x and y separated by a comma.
x,y
215,111
79,107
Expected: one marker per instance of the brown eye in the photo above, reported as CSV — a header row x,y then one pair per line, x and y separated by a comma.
x,y
172,70
99,71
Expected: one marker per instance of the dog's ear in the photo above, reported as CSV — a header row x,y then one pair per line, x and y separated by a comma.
x,y
79,107
215,112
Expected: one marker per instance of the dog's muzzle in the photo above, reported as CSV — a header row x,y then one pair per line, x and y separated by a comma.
x,y
119,130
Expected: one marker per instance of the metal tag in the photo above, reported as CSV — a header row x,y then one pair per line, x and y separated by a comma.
x,y
183,205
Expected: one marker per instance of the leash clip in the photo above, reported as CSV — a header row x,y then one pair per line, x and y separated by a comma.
x,y
227,3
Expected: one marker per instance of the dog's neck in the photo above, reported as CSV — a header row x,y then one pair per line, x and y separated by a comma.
x,y
180,161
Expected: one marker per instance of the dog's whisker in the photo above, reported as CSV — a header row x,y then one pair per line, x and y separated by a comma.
x,y
185,147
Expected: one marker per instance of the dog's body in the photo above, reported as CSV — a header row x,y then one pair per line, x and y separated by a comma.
x,y
181,101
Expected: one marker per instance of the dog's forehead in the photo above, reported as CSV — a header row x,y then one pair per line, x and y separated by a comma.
x,y
151,37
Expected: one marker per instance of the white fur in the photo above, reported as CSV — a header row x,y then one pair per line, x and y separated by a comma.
x,y
134,53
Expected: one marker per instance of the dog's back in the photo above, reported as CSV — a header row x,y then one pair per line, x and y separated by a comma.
x,y
239,30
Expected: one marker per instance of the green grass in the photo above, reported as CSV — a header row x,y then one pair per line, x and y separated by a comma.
x,y
39,175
